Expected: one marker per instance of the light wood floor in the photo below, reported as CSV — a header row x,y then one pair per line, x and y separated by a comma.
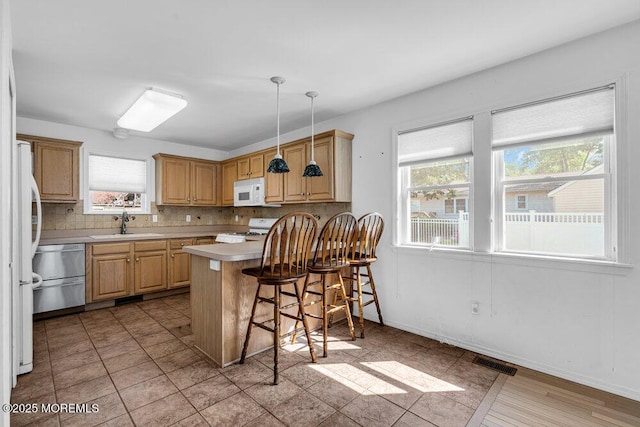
x,y
534,399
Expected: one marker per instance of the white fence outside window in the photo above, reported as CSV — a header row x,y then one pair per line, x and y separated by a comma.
x,y
565,233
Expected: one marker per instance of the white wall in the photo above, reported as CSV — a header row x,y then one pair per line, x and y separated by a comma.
x,y
570,319
576,322
5,213
100,142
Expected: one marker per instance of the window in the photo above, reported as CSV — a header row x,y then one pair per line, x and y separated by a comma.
x,y
452,206
115,184
434,167
559,153
521,202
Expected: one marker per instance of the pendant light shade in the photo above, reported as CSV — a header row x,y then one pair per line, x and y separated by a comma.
x,y
277,164
312,168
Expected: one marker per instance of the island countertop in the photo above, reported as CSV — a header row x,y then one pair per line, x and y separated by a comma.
x,y
251,249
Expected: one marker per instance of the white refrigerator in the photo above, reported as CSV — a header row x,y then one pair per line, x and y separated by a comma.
x,y
24,280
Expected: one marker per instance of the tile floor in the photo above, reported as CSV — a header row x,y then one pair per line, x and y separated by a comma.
x,y
137,362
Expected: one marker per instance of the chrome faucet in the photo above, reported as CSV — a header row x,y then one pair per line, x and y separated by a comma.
x,y
125,219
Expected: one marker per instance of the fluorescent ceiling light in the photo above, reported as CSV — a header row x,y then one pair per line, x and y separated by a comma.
x,y
150,110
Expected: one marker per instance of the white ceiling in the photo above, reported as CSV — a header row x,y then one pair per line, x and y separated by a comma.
x,y
85,62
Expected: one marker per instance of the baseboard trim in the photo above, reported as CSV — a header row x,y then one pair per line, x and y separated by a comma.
x,y
527,363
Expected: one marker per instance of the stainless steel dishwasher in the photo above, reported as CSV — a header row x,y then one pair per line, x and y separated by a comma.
x,y
62,268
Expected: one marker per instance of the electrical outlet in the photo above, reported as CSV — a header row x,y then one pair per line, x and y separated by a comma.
x,y
188,218
475,308
154,218
236,218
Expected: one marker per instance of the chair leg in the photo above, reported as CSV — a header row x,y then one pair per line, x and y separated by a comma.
x,y
333,304
250,326
360,306
324,315
375,295
346,307
300,307
305,322
276,332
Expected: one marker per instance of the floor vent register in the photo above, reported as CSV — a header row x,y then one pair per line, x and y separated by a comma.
x,y
500,367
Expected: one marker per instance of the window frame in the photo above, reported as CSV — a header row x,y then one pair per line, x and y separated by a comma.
x,y
611,169
145,199
402,199
483,224
526,202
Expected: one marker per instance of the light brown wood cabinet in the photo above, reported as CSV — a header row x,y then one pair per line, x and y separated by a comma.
x,y
116,270
251,166
150,266
274,182
109,273
229,176
184,181
179,263
333,156
56,168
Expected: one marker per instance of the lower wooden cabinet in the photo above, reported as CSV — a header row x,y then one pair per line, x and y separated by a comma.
x,y
179,263
111,276
150,266
109,272
116,270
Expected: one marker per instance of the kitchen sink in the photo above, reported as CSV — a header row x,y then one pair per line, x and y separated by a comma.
x,y
128,235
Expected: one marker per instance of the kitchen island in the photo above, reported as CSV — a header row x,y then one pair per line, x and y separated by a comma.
x,y
222,299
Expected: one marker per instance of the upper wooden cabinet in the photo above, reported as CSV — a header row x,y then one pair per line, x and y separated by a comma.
x,y
56,168
185,181
333,156
229,176
274,182
251,166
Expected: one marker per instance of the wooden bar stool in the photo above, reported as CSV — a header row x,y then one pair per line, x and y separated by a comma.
x,y
287,249
330,257
362,254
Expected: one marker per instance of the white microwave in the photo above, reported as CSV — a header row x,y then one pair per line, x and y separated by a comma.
x,y
249,192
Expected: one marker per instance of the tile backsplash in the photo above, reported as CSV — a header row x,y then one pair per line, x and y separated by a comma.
x,y
57,216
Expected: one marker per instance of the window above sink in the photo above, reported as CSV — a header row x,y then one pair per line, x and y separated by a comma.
x,y
114,184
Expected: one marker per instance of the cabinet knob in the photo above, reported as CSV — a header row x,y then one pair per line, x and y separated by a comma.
x,y
308,194
302,194
173,256
128,259
188,199
194,199
137,259
181,244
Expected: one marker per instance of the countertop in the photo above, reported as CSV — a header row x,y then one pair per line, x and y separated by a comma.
x,y
54,237
251,249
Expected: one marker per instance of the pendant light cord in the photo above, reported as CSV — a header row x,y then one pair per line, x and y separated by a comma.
x,y
312,133
278,116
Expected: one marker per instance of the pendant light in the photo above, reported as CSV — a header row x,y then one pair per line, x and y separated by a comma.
x,y
277,164
312,168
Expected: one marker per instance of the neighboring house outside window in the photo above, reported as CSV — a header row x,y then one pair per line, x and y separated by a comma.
x,y
553,162
115,184
434,169
455,205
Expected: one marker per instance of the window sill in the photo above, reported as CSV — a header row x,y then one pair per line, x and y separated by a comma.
x,y
525,260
